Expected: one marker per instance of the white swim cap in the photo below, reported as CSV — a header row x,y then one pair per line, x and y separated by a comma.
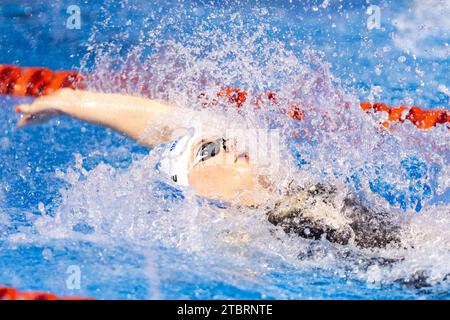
x,y
177,159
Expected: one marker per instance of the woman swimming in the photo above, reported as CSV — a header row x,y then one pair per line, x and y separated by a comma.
x,y
209,162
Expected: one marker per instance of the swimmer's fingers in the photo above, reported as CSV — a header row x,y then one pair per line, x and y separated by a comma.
x,y
29,108
42,109
40,104
27,119
56,101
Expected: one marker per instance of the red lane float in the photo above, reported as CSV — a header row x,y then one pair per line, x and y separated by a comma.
x,y
7,293
37,81
423,119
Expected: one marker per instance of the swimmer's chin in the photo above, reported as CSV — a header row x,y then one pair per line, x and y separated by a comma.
x,y
250,198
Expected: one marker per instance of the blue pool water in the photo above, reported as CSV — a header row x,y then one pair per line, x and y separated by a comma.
x,y
72,194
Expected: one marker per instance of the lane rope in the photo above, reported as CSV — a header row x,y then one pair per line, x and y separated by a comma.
x,y
38,81
8,293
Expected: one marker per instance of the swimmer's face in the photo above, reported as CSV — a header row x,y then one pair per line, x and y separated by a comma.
x,y
221,172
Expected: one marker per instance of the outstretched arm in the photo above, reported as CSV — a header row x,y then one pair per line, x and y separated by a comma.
x,y
129,115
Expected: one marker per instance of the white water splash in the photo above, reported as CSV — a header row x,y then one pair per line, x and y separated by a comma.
x,y
337,141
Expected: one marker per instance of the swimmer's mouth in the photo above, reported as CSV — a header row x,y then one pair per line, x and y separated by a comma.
x,y
243,155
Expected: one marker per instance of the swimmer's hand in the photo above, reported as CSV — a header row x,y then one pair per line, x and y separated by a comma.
x,y
30,118
45,108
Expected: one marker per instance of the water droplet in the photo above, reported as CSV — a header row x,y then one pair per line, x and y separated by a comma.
x,y
47,254
41,207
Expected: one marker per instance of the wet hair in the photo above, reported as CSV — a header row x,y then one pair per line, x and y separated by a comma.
x,y
320,212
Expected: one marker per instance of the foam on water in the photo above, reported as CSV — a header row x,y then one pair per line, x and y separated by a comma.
x,y
339,144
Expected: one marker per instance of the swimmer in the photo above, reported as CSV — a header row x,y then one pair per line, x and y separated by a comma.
x,y
210,164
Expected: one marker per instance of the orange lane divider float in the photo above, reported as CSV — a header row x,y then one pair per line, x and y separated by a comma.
x,y
7,293
423,119
37,81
